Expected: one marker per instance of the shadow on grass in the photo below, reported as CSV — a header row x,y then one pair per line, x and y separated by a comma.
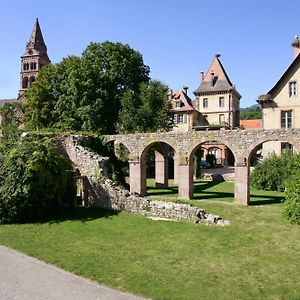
x,y
83,214
204,190
265,200
159,191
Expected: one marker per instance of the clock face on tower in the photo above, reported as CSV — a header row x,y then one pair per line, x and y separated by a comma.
x,y
30,51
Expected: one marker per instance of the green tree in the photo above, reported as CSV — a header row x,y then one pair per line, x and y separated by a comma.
x,y
40,100
274,171
146,111
35,181
291,206
84,93
11,119
251,113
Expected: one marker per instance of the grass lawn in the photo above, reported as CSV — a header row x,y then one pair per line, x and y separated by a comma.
x,y
209,190
256,257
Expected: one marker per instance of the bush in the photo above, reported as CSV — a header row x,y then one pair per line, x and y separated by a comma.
x,y
35,181
272,173
292,201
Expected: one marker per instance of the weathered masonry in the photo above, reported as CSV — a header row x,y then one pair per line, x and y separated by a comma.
x,y
242,143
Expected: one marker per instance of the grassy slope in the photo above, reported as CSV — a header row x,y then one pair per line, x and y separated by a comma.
x,y
256,257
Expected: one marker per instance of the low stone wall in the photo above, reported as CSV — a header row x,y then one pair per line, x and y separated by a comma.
x,y
103,192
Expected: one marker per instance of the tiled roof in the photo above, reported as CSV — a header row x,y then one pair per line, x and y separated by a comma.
x,y
248,124
180,101
216,79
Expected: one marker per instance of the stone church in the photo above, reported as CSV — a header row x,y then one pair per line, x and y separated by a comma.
x,y
34,58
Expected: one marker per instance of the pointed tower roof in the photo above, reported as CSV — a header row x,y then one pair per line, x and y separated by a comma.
x,y
216,79
36,44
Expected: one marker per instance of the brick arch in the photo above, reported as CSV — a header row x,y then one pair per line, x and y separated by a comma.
x,y
146,148
295,141
196,146
115,141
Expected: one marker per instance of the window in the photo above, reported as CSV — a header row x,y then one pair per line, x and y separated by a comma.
x,y
205,102
286,119
175,118
180,118
286,147
221,119
292,88
178,104
221,102
25,83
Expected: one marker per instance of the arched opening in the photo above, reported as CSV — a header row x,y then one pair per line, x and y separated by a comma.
x,y
25,83
122,153
157,163
256,156
32,79
212,163
260,152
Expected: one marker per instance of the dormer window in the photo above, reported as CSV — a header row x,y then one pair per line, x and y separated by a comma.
x,y
292,88
178,103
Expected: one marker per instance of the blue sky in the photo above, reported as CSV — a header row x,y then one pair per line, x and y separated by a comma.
x,y
177,39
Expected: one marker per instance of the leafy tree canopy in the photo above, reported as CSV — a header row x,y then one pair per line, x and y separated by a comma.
x,y
251,113
145,111
84,93
35,181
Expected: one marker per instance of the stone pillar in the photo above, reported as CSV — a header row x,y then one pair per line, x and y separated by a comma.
x,y
241,184
176,169
161,170
185,180
137,177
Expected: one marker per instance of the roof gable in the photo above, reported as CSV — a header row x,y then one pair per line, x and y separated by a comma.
x,y
293,67
216,78
180,101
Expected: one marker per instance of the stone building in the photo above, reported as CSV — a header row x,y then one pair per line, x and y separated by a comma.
x,y
34,58
185,115
281,105
217,98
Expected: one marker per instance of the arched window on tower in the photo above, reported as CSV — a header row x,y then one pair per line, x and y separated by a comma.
x,y
32,79
25,83
24,67
34,66
31,66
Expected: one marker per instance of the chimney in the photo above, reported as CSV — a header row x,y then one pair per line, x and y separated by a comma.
x,y
185,89
212,79
296,45
201,75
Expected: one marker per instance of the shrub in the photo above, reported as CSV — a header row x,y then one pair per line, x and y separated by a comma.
x,y
272,173
292,202
35,181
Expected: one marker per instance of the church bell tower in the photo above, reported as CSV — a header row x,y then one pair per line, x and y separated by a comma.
x,y
34,58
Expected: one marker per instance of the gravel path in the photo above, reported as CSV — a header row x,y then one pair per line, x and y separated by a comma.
x,y
26,278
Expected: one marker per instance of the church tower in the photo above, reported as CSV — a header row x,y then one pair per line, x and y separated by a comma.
x,y
33,59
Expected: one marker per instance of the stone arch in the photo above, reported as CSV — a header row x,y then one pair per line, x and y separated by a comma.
x,y
159,163
295,141
198,145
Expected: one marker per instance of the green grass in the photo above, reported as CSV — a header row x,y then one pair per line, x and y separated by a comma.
x,y
209,190
256,257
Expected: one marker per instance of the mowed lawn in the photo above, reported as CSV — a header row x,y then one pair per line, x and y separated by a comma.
x,y
256,257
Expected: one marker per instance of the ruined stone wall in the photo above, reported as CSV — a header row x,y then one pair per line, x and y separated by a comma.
x,y
240,142
103,192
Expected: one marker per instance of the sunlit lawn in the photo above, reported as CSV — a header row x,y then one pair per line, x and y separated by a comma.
x,y
209,190
256,257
